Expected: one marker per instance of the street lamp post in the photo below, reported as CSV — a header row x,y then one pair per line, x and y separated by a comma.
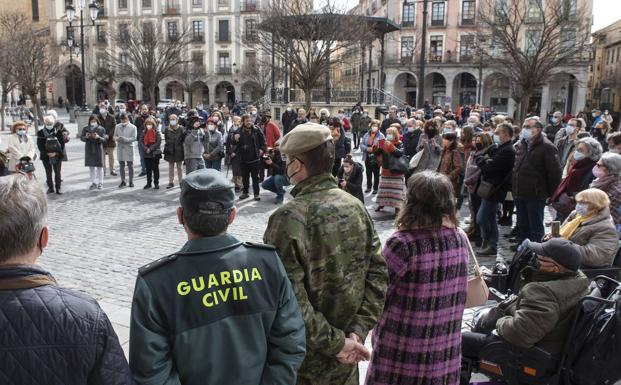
x,y
71,14
423,50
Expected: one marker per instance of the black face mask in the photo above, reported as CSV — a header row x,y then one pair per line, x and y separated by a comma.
x,y
479,146
145,114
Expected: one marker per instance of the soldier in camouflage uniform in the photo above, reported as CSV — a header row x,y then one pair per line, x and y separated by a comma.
x,y
332,255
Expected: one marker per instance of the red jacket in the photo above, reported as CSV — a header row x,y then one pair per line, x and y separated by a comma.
x,y
272,134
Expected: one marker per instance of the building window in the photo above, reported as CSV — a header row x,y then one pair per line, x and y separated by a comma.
x,y
224,63
251,30
146,3
147,30
35,10
568,38
124,32
101,33
101,61
407,47
197,3
468,10
249,5
223,31
124,58
223,3
198,31
173,31
436,48
533,39
122,4
466,48
198,59
534,10
407,18
251,58
571,7
437,13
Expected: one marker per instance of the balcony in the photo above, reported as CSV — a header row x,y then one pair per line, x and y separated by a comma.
x,y
250,38
224,70
171,8
437,23
407,24
248,6
467,22
198,38
435,58
223,38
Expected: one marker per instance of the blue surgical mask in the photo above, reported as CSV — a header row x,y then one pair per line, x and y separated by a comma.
x,y
21,132
496,139
570,130
527,133
446,130
578,155
555,120
582,209
173,122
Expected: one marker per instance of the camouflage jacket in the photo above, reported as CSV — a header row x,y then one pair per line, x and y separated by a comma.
x,y
332,255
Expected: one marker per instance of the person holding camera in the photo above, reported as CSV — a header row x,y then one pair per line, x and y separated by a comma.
x,y
214,145
20,145
350,177
51,141
94,136
277,182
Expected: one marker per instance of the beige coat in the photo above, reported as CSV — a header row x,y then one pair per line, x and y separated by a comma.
x,y
19,149
597,239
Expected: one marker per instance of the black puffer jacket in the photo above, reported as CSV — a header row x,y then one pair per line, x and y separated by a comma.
x,y
54,336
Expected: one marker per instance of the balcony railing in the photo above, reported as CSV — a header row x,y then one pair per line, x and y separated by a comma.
x,y
407,24
198,38
224,38
435,58
437,23
224,70
250,37
248,6
171,8
468,22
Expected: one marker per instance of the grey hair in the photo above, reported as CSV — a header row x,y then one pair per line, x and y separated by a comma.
x,y
23,209
452,123
612,162
557,113
595,148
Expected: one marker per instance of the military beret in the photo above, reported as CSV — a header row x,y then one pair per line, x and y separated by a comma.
x,y
207,191
304,138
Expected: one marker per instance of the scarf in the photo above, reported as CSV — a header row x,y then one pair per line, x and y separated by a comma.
x,y
568,229
149,137
372,136
573,180
603,183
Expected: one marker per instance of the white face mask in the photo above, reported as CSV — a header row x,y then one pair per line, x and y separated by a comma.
x,y
374,129
570,129
578,155
94,124
173,122
390,137
582,209
122,110
21,132
211,128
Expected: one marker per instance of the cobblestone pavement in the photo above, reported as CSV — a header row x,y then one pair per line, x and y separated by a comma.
x,y
98,239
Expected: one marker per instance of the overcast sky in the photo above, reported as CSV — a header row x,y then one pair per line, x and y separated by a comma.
x,y
605,12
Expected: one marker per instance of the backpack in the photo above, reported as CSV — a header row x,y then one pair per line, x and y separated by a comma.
x,y
52,144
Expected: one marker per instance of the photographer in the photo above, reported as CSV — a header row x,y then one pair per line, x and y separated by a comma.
x,y
277,182
350,177
541,314
94,137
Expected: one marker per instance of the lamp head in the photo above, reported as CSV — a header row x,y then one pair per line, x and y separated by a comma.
x,y
94,11
70,10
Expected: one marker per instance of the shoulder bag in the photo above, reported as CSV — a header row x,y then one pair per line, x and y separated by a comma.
x,y
478,293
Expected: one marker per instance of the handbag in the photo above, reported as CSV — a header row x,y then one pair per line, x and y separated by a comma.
x,y
399,164
416,159
565,204
486,190
478,293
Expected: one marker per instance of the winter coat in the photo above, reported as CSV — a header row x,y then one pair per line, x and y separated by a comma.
x,y
432,152
387,122
287,120
173,148
364,124
452,165
565,147
364,143
18,149
551,130
355,122
543,312
109,124
231,151
597,239
410,142
93,148
272,134
125,137
60,133
194,143
611,185
496,166
339,145
537,169
214,146
354,182
154,149
250,155
58,336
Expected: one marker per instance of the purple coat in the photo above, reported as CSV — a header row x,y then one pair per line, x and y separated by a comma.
x,y
418,337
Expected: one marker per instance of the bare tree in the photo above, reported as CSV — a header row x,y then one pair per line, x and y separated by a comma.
x,y
528,42
34,65
146,53
308,40
259,74
188,74
105,76
9,22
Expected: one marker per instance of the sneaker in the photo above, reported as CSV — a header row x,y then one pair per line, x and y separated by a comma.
x,y
279,200
113,173
488,251
257,198
58,192
170,185
93,186
99,186
122,184
156,187
131,184
367,190
146,187
50,190
244,196
142,174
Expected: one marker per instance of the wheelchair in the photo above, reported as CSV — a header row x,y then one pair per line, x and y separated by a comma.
x,y
502,362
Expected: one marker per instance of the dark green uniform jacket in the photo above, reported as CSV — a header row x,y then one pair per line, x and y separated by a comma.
x,y
329,246
218,312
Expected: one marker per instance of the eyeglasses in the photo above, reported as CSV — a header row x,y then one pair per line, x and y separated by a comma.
x,y
599,165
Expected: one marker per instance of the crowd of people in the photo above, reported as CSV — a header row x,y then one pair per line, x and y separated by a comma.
x,y
299,308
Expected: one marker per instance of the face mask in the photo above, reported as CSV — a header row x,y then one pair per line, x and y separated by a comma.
x,y
374,129
94,124
390,137
570,130
103,111
598,172
578,155
287,171
211,128
173,122
149,127
49,126
365,115
496,139
288,108
479,146
21,132
411,129
527,133
554,120
582,209
446,130
593,114
122,110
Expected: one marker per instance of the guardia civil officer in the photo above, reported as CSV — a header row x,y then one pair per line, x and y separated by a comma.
x,y
219,311
328,244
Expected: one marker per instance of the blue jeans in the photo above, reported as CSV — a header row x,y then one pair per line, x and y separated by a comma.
x,y
276,184
215,164
530,218
143,167
486,219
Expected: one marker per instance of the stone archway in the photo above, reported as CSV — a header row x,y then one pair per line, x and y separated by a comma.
x,y
496,92
73,84
405,87
174,90
251,92
562,93
225,94
435,88
465,89
127,91
199,94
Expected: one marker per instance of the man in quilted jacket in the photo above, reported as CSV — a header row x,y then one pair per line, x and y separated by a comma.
x,y
49,335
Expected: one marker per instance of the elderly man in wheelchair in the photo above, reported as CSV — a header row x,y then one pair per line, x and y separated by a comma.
x,y
532,326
